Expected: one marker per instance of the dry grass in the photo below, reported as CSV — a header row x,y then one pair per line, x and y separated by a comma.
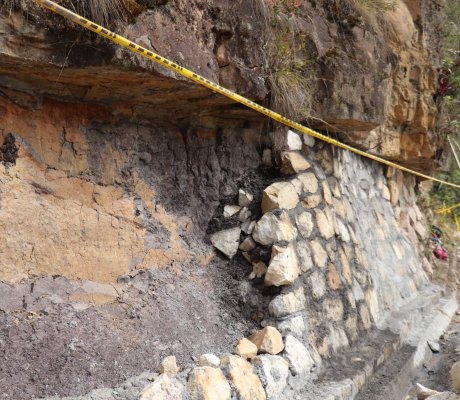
x,y
101,11
383,5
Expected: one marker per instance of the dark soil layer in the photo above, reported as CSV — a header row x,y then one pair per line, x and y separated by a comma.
x,y
58,349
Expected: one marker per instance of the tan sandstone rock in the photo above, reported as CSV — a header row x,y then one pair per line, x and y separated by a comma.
x,y
273,228
169,367
209,360
246,349
243,377
455,376
163,388
283,268
268,340
279,195
293,162
207,383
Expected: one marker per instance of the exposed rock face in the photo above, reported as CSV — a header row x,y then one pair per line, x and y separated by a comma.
x,y
112,169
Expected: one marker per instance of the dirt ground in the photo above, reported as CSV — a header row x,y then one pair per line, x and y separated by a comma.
x,y
62,349
435,374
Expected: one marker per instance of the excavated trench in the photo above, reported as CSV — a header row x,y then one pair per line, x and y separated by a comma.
x,y
114,173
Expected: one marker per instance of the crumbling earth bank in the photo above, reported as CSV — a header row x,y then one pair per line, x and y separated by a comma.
x,y
119,174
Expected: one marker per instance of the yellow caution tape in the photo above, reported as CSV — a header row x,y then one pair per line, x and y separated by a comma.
x,y
444,210
217,88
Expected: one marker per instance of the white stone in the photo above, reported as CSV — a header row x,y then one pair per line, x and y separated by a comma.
x,y
293,141
244,214
163,388
272,229
279,195
435,347
227,241
283,268
267,157
325,225
298,356
386,192
309,182
285,304
305,224
304,255
423,392
443,396
341,230
327,193
317,285
319,254
209,360
297,185
274,372
421,230
293,162
169,367
357,291
244,198
308,140
294,326
247,244
333,309
230,211
248,227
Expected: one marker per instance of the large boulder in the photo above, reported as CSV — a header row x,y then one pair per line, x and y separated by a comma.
x,y
268,340
283,268
207,383
239,372
227,241
272,229
279,195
